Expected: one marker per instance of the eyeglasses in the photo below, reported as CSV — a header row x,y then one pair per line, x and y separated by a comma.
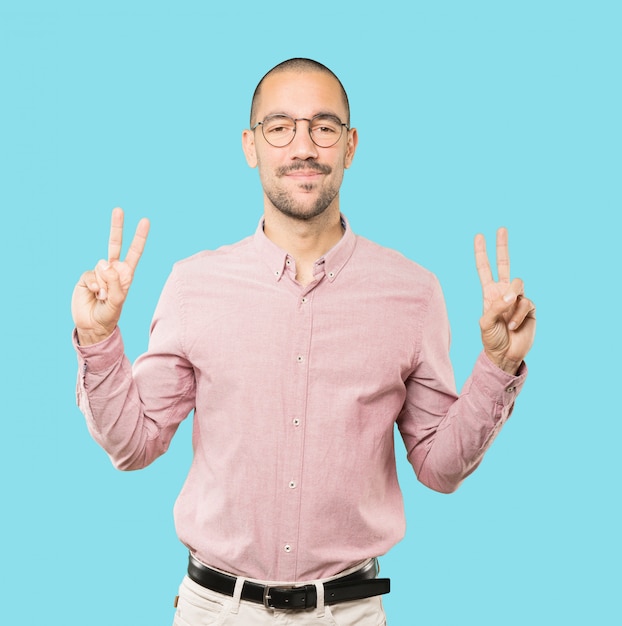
x,y
279,130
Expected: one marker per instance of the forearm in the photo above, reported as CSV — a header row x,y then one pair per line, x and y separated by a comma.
x,y
456,445
109,397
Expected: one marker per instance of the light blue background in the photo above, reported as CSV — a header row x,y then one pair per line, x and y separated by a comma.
x,y
471,115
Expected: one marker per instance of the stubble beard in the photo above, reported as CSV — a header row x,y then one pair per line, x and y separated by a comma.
x,y
284,201
287,205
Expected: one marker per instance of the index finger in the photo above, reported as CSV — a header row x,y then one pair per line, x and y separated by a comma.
x,y
116,235
138,244
481,261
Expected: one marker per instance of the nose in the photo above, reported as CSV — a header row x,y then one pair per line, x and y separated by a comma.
x,y
302,146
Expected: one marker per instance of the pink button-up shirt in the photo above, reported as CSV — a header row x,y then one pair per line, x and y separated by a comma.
x,y
296,391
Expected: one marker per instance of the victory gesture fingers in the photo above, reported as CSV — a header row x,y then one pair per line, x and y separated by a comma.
x,y
508,323
125,269
99,296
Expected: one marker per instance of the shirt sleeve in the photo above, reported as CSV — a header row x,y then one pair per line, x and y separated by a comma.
x,y
133,412
446,434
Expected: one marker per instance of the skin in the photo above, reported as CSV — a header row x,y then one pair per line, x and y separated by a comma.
x,y
301,181
508,323
99,296
301,185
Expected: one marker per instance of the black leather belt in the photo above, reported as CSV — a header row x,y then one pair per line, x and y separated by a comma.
x,y
355,586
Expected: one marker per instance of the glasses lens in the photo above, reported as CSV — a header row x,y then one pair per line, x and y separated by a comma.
x,y
326,130
278,130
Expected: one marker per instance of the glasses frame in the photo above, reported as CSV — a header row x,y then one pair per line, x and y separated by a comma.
x,y
301,119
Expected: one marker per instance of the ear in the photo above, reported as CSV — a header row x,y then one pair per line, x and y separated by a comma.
x,y
248,145
353,140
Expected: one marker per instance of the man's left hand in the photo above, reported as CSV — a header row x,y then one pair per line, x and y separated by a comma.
x,y
508,323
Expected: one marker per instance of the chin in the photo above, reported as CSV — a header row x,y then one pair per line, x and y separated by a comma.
x,y
302,214
303,211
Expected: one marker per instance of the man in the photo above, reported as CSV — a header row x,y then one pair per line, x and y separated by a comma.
x,y
298,348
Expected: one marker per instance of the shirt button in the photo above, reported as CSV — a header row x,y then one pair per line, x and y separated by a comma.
x,y
287,548
296,422
511,389
292,484
304,300
277,273
300,358
331,274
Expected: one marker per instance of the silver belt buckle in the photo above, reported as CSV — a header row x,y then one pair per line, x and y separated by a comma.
x,y
268,588
266,596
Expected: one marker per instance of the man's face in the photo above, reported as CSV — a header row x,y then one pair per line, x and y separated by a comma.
x,y
301,180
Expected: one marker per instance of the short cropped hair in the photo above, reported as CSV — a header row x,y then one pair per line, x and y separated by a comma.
x,y
298,65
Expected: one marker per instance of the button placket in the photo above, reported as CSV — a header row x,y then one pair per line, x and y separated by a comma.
x,y
291,470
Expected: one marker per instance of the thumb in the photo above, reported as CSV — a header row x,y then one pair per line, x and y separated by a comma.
x,y
115,295
503,306
497,309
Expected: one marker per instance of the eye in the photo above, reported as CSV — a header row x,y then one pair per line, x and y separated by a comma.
x,y
278,125
326,126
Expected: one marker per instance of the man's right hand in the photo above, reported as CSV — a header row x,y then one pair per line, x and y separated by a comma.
x,y
99,295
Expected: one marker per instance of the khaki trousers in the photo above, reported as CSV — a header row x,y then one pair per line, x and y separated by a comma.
x,y
197,606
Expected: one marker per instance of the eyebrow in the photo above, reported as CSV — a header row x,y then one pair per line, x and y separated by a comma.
x,y
321,113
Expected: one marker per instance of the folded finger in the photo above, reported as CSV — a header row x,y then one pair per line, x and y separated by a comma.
x,y
88,280
100,280
524,309
516,290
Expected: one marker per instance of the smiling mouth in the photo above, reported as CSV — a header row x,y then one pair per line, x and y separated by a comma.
x,y
303,174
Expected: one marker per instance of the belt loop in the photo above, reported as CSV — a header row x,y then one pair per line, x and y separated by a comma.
x,y
321,608
237,594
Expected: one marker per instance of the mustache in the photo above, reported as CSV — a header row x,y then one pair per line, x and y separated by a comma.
x,y
304,165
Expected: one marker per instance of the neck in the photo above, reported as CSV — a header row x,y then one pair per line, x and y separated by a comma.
x,y
305,240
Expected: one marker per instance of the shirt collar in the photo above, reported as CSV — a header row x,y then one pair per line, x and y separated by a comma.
x,y
334,260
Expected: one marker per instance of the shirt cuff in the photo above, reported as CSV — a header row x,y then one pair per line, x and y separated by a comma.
x,y
502,387
102,355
